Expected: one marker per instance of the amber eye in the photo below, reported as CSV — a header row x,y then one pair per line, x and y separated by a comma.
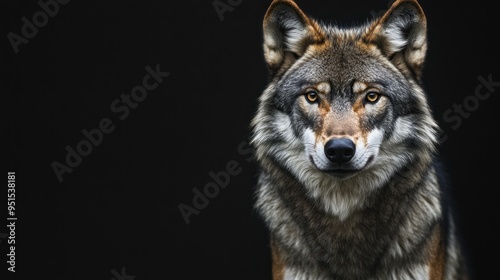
x,y
372,96
311,96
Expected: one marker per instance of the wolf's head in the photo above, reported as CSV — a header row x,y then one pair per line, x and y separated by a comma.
x,y
346,102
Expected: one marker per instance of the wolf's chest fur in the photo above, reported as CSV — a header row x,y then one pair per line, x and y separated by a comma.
x,y
346,143
368,244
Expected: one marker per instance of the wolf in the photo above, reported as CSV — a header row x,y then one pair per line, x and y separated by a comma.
x,y
350,184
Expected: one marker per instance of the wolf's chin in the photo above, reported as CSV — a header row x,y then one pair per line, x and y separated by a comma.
x,y
341,174
338,173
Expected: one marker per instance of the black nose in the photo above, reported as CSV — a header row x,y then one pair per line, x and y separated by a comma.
x,y
339,150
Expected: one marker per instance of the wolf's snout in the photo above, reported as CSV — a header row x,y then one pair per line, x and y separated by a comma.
x,y
340,150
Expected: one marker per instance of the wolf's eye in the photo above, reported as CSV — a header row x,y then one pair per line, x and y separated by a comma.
x,y
311,96
372,96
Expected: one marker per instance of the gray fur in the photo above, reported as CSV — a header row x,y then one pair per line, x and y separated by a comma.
x,y
378,221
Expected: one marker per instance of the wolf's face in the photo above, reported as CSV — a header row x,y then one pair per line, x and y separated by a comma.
x,y
343,101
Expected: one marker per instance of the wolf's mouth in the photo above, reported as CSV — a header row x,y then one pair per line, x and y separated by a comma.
x,y
341,171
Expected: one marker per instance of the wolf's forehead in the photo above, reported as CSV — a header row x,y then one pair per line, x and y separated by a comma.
x,y
343,63
345,35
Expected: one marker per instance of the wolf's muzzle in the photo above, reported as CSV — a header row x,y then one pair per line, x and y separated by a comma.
x,y
340,150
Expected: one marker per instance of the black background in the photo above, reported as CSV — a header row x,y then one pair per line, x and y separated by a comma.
x,y
117,211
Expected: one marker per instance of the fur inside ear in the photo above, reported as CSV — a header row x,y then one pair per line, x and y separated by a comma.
x,y
401,34
287,34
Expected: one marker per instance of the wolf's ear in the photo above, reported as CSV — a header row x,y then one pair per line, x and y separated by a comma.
x,y
401,35
287,34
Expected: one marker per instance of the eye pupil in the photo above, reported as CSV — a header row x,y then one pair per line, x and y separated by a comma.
x,y
311,96
372,96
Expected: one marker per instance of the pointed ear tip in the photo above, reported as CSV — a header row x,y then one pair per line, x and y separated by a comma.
x,y
282,3
403,7
275,3
410,3
272,7
288,7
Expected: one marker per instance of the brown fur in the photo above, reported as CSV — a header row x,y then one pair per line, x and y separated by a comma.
x,y
278,266
437,256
